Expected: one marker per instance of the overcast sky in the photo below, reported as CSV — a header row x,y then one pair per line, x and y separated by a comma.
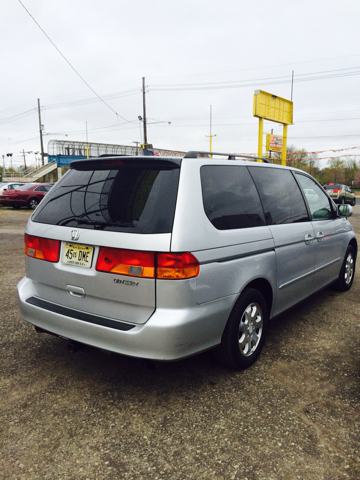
x,y
193,54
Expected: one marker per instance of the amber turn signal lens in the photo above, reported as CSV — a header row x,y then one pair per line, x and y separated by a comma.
x,y
177,266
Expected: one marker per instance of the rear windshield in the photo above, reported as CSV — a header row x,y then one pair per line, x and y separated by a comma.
x,y
333,186
133,199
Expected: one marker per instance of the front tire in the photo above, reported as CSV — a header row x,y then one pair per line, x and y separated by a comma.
x,y
353,203
347,272
245,331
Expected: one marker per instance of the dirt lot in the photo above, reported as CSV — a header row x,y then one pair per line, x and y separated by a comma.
x,y
90,415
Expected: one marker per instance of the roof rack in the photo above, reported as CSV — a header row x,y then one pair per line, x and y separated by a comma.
x,y
231,156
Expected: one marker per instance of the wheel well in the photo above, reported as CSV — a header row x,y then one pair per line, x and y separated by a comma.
x,y
354,244
264,287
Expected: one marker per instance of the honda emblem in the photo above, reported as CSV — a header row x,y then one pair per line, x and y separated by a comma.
x,y
75,234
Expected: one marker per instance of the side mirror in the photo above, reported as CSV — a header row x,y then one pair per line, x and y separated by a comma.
x,y
344,210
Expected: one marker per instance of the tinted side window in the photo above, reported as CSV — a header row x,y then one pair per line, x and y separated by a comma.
x,y
280,195
318,201
39,189
230,197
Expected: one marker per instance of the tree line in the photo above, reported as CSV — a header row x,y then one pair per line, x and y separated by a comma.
x,y
337,170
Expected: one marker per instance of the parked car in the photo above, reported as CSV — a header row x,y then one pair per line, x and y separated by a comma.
x,y
163,257
340,193
27,195
9,185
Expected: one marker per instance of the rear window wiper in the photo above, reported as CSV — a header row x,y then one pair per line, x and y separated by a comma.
x,y
98,224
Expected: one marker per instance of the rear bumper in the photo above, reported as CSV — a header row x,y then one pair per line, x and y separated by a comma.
x,y
169,334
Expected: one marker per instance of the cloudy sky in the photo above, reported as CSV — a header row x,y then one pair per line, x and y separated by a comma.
x,y
85,59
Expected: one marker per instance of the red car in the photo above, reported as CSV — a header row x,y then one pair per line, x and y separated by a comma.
x,y
28,195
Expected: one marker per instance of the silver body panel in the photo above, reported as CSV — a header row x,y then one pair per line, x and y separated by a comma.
x,y
172,319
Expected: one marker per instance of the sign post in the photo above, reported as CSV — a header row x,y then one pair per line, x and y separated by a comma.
x,y
275,109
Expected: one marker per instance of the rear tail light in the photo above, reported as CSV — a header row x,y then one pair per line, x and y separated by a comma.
x,y
175,266
166,266
42,248
126,262
336,191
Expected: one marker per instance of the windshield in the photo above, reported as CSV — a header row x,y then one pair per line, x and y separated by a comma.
x,y
134,199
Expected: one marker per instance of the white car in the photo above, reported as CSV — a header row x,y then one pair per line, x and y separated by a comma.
x,y
9,186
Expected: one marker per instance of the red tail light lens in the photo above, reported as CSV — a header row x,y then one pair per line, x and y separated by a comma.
x,y
126,262
168,266
336,191
42,248
176,266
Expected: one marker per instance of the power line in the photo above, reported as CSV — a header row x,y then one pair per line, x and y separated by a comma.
x,y
17,117
267,67
67,61
87,101
305,77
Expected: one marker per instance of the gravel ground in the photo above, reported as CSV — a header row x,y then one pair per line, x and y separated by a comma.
x,y
91,415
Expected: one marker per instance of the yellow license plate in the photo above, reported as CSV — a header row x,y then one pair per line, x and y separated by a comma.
x,y
78,255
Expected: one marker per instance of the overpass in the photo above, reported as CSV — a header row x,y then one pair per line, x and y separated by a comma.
x,y
62,152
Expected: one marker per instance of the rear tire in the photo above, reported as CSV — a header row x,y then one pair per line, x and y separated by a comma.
x,y
353,203
33,203
343,201
347,272
245,331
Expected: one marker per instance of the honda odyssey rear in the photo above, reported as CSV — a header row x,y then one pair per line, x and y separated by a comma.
x,y
162,258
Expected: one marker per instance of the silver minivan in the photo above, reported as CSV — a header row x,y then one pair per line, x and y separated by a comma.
x,y
165,257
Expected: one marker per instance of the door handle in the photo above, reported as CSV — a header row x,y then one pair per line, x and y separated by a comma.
x,y
320,236
309,238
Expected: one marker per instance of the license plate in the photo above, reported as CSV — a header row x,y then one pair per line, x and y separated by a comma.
x,y
78,255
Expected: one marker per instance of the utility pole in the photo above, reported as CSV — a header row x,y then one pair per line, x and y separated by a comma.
x,y
23,152
210,131
144,111
41,136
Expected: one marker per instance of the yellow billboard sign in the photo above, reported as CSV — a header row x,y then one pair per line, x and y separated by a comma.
x,y
273,108
274,143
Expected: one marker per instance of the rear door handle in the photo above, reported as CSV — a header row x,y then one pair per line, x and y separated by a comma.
x,y
309,238
320,236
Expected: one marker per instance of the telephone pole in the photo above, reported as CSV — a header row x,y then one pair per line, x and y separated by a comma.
x,y
23,152
210,131
41,136
144,112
